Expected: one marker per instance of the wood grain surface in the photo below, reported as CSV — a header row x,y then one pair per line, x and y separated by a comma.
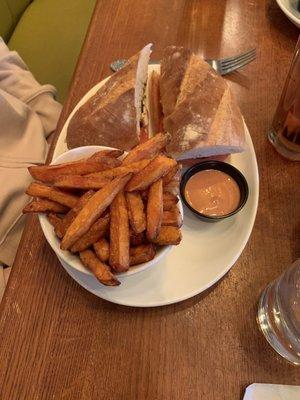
x,y
60,342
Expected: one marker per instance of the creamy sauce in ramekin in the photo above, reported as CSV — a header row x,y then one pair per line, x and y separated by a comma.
x,y
212,192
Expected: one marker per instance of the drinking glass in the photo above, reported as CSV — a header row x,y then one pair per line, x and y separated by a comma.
x,y
279,314
284,133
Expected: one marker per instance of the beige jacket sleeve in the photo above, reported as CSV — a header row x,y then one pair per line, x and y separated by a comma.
x,y
29,113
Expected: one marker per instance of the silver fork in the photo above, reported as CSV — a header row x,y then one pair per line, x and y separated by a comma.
x,y
223,66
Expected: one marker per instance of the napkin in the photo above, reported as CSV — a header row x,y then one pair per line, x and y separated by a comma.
x,y
262,391
29,113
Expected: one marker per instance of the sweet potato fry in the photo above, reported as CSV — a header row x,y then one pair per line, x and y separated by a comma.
x,y
147,150
174,173
49,173
44,205
93,210
96,232
100,270
114,172
136,212
55,221
136,238
36,189
119,234
172,187
154,210
102,249
144,194
168,235
156,169
169,204
71,215
80,182
177,176
170,197
105,153
141,254
169,201
172,217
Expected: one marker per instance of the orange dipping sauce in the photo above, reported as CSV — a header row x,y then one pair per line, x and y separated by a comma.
x,y
212,192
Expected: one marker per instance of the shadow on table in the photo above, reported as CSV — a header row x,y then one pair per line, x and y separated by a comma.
x,y
280,22
295,248
240,79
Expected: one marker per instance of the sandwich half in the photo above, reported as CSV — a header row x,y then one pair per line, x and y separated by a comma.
x,y
200,112
112,117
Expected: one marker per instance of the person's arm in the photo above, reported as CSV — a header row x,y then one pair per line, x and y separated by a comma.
x,y
18,81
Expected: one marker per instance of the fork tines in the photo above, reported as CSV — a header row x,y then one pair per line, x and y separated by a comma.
x,y
232,63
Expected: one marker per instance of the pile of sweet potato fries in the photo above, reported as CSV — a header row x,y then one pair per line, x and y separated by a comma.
x,y
114,213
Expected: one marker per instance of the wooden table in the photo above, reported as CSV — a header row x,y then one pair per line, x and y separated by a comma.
x,y
60,342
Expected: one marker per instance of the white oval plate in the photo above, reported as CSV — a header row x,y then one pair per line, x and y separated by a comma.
x,y
206,253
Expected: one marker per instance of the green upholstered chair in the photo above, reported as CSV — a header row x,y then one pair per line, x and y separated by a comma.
x,y
48,35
